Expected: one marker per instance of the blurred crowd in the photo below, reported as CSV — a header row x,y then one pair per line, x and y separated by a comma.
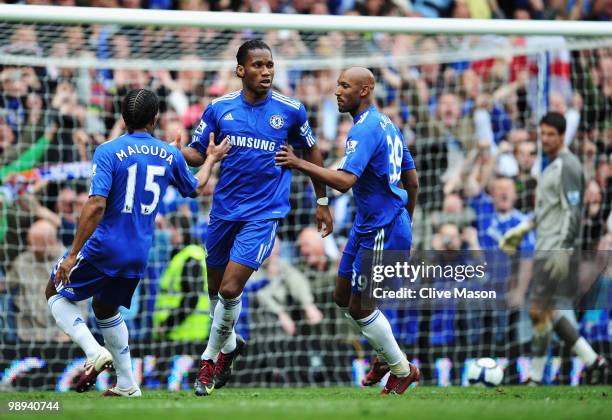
x,y
470,124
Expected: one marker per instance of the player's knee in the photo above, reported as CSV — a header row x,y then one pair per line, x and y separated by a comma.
x,y
230,291
359,310
359,313
103,310
215,275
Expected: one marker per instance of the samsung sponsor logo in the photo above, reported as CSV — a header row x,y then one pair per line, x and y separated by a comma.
x,y
252,143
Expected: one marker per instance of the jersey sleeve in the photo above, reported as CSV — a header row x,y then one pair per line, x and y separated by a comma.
x,y
207,125
301,136
183,179
358,153
527,245
572,190
407,161
101,172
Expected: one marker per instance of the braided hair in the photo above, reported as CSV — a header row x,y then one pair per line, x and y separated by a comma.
x,y
139,108
253,44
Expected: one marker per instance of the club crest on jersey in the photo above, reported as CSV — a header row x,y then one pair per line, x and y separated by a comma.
x,y
351,145
276,121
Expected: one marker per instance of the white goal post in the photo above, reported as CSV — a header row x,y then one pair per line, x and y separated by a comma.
x,y
318,23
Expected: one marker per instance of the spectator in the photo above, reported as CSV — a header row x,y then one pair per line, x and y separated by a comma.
x,y
572,115
312,249
504,217
593,222
65,208
28,276
525,154
7,139
71,144
181,306
453,212
431,9
286,283
23,41
20,215
450,238
12,101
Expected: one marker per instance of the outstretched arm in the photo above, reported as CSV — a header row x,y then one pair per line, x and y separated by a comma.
x,y
338,180
214,154
192,156
88,222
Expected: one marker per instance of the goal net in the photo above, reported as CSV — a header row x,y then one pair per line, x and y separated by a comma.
x,y
468,105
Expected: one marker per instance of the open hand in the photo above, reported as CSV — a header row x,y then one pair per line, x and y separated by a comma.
x,y
63,271
178,141
217,151
325,222
286,158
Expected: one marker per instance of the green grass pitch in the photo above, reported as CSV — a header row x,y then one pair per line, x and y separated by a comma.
x,y
508,402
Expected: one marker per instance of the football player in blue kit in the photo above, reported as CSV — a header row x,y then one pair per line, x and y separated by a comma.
x,y
109,253
376,161
251,197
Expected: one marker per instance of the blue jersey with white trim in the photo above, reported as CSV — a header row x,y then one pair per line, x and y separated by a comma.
x,y
251,186
133,172
377,154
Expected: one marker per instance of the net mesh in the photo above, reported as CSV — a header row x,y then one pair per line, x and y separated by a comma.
x,y
468,107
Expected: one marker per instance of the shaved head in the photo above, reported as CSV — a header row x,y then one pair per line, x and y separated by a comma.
x,y
354,90
360,75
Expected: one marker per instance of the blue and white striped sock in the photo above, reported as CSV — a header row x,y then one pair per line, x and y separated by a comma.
x,y
116,338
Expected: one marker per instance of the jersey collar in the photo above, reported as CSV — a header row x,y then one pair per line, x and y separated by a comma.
x,y
357,117
140,135
260,103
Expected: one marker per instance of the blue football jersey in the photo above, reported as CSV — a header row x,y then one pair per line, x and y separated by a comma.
x,y
133,172
251,186
377,154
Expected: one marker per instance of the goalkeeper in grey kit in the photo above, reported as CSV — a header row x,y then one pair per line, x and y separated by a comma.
x,y
558,216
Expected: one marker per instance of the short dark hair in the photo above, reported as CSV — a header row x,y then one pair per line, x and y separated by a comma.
x,y
139,108
556,120
252,44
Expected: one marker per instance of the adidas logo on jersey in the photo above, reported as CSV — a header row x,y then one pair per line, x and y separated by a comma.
x,y
78,321
228,117
125,350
